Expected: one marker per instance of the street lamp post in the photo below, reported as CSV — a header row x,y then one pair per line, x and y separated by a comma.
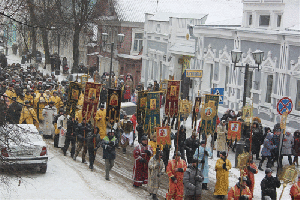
x,y
120,40
236,56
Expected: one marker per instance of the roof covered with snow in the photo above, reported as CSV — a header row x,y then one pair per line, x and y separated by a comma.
x,y
187,49
217,10
165,16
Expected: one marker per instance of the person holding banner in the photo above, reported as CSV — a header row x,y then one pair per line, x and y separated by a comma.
x,y
175,170
235,191
222,168
180,137
100,121
155,170
93,143
192,180
127,136
142,154
249,172
295,190
190,145
81,133
202,154
70,136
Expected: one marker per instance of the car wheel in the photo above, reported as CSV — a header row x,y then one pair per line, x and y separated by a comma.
x,y
43,169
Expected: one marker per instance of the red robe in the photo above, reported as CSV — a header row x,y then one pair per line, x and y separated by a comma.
x,y
251,176
234,193
175,189
140,170
295,191
127,94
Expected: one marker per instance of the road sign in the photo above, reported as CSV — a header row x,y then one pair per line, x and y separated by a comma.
x,y
284,104
218,91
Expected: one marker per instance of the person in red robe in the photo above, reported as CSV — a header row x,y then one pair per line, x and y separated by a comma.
x,y
249,172
142,154
295,190
234,193
175,170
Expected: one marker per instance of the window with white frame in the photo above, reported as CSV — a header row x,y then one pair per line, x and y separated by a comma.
x,y
250,20
269,88
138,42
279,20
264,20
226,77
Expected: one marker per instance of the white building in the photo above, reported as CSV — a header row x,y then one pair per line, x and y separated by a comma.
x,y
271,26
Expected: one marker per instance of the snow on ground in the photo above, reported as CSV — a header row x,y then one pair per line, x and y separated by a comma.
x,y
235,173
64,180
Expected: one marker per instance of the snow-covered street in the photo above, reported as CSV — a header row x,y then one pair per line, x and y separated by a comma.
x,y
64,179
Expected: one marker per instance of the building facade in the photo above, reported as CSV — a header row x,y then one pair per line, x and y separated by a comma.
x,y
268,25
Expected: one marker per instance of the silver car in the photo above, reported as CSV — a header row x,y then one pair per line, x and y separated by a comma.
x,y
22,146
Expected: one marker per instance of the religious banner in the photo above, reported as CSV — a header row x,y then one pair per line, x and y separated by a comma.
x,y
152,119
73,97
171,107
186,62
185,109
91,100
113,105
196,111
141,106
163,135
209,114
234,130
164,86
247,113
84,79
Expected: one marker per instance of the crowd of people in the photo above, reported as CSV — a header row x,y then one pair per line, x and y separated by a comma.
x,y
28,96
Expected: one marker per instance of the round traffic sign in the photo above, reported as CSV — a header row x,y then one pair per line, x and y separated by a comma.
x,y
284,104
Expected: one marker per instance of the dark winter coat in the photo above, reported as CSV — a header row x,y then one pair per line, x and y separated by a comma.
x,y
71,127
92,137
103,96
14,113
190,145
82,130
268,186
257,139
297,143
276,141
189,181
181,138
109,144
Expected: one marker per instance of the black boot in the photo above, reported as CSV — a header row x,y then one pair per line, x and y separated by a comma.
x,y
259,167
124,150
154,197
257,157
204,186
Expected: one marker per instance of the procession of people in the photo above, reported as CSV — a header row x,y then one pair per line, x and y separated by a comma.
x,y
31,97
